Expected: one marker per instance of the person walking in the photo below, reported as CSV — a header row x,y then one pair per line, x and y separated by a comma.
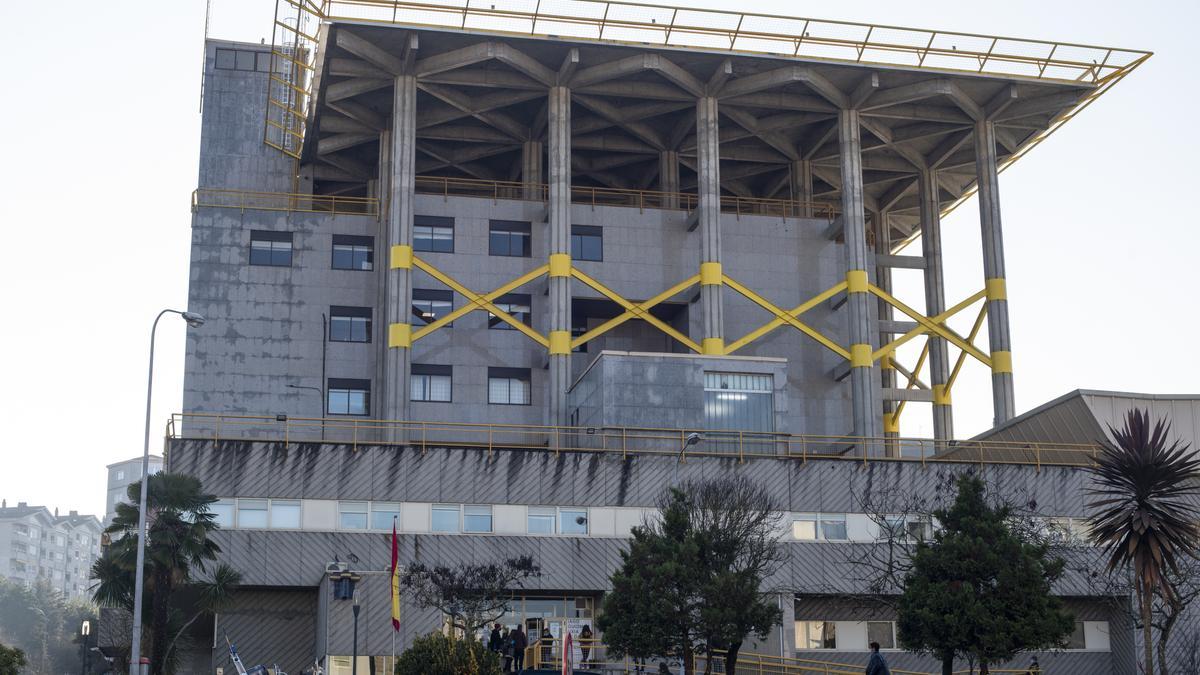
x,y
519,643
506,652
877,665
496,641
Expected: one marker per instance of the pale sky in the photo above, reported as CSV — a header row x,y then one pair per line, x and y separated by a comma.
x,y
99,156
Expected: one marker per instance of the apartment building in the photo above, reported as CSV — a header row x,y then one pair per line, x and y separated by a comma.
x,y
36,544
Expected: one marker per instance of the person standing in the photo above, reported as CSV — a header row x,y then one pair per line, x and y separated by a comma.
x,y
519,643
877,665
546,641
585,644
496,641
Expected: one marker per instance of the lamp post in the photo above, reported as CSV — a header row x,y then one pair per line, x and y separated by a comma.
x,y
135,652
85,630
321,394
354,661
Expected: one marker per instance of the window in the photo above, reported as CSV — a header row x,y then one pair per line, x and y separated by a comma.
x,y
1077,639
252,513
222,511
431,383
515,304
20,547
508,386
384,514
270,248
352,515
739,401
573,521
430,305
509,238
351,252
819,527
240,59
477,519
444,518
349,397
349,324
541,520
882,632
816,635
587,243
433,233
21,529
120,474
285,514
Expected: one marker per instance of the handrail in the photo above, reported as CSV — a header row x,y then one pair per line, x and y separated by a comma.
x,y
777,35
283,201
763,664
605,196
623,441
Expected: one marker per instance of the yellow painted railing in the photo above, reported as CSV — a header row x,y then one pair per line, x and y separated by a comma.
x,y
283,201
601,196
622,441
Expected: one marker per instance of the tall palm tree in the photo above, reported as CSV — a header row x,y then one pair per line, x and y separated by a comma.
x,y
178,556
1144,515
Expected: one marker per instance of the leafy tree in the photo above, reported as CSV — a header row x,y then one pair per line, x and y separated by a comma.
x,y
12,660
693,581
1143,516
179,558
437,654
43,624
472,596
978,590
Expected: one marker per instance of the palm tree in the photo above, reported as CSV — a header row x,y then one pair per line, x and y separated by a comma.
x,y
1144,515
178,557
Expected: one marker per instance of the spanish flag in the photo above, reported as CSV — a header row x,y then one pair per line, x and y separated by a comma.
x,y
395,579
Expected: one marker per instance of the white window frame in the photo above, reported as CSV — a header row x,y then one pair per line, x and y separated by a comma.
x,y
299,504
343,510
446,508
479,508
384,507
550,512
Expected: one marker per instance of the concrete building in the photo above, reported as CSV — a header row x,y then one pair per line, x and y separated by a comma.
x,y
120,476
36,544
491,268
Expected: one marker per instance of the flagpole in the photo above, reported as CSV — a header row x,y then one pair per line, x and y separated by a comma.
x,y
395,590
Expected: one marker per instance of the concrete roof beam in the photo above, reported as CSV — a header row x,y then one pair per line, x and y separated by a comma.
x,y
360,113
338,142
463,102
779,77
369,52
355,86
639,130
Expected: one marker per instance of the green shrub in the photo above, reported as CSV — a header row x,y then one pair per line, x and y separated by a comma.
x,y
436,654
12,660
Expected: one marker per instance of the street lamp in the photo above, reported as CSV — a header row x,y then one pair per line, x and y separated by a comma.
x,y
135,653
354,662
321,394
85,630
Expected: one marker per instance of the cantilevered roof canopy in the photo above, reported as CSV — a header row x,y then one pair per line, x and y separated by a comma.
x,y
635,72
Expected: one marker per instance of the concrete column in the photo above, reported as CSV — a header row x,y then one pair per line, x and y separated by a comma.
x,y
668,177
401,188
382,272
531,170
883,279
560,252
867,420
708,165
935,302
801,184
1003,403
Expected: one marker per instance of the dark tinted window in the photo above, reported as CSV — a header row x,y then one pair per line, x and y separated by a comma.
x,y
587,243
516,304
430,305
509,238
349,397
433,233
353,252
349,324
270,248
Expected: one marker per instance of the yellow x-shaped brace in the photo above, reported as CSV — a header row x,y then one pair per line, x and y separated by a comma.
x,y
640,310
930,325
786,317
480,301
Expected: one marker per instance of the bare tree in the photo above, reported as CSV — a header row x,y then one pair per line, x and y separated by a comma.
x,y
470,596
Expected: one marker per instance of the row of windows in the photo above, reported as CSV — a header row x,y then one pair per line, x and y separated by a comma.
x,y
858,635
836,527
430,233
285,514
431,383
242,59
353,324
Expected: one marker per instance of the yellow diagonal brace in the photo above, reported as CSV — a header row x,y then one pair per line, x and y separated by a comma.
x,y
930,325
920,329
788,317
912,379
962,356
635,311
478,301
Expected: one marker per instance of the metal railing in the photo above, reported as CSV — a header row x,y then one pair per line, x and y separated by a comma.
x,y
283,201
602,196
621,441
731,31
768,664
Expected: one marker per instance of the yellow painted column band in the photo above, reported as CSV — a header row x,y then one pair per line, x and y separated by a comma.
x,y
560,342
710,274
941,395
1001,362
891,424
401,257
860,356
856,281
713,346
400,335
996,289
560,265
